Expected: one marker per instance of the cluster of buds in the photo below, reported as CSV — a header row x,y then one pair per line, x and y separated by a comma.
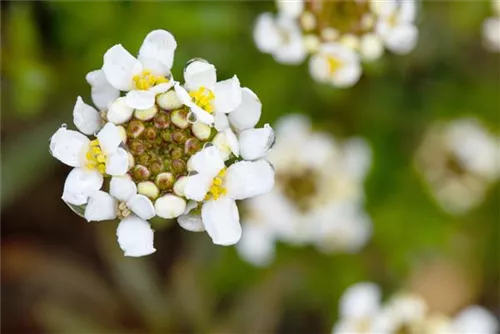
x,y
337,34
159,148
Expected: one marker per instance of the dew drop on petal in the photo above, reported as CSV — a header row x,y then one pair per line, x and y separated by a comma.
x,y
191,117
192,173
64,126
78,209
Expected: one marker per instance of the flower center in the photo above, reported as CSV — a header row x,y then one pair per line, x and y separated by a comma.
x,y
146,80
300,188
122,211
217,189
203,98
334,64
345,16
96,159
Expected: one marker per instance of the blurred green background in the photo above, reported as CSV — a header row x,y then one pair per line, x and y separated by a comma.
x,y
63,275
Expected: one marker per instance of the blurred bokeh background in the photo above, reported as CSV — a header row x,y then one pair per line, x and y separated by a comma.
x,y
61,274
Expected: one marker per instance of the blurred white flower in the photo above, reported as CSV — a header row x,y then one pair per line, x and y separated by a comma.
x,y
459,161
280,36
491,29
145,76
317,198
396,24
475,319
335,64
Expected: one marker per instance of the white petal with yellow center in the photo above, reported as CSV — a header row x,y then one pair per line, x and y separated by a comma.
x,y
200,74
69,146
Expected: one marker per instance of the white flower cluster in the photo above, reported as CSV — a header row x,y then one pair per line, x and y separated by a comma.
x,y
459,160
163,149
362,311
337,34
491,29
317,198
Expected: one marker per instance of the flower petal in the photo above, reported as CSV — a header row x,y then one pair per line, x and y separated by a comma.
x,y
222,221
248,113
170,206
101,206
122,188
160,45
141,206
109,138
201,114
79,184
475,319
119,67
227,95
247,179
117,163
255,143
221,121
102,91
135,237
266,33
86,118
198,74
403,39
197,186
360,300
207,161
140,99
257,244
69,146
119,111
191,221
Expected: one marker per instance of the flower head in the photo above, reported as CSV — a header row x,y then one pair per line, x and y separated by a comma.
x,y
147,145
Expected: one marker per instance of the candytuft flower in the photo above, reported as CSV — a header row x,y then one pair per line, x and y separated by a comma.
x,y
163,150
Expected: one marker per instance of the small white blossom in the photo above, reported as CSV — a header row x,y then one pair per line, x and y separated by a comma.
x,y
218,187
335,64
145,76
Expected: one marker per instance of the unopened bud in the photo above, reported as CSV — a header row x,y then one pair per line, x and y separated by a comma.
x,y
170,206
146,114
166,135
179,118
192,146
140,172
308,21
119,112
180,185
169,100
136,146
144,159
131,161
165,181
330,34
148,189
201,131
156,167
162,120
150,133
179,137
135,128
351,41
176,153
178,166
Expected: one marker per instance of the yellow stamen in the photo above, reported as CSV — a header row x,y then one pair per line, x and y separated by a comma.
x,y
334,64
96,159
203,98
146,80
216,189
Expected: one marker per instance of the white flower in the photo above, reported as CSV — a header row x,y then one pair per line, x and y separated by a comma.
x,y
257,243
491,34
371,47
281,37
404,310
359,306
204,95
335,64
91,160
218,187
135,235
475,319
103,93
396,24
145,76
290,8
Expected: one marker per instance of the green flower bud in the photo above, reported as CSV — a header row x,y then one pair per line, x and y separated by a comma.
x,y
162,120
136,147
140,172
179,137
192,146
169,100
150,133
135,128
148,189
178,166
146,114
165,181
156,167
166,135
176,153
179,118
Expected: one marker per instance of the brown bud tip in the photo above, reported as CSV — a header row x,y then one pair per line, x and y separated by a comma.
x,y
178,166
179,137
136,147
162,120
192,146
135,128
150,133
141,173
156,167
176,153
165,181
